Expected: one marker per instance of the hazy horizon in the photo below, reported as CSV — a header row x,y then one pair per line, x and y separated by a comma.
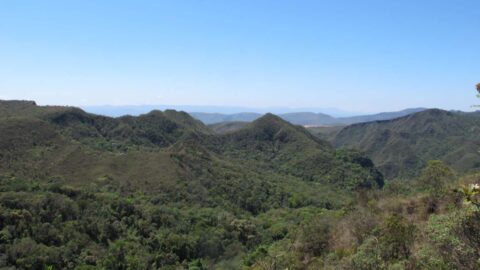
x,y
366,57
369,160
135,109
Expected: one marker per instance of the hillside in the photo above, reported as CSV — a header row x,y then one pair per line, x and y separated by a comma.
x,y
161,177
326,133
400,147
76,147
226,127
161,190
378,116
70,136
274,144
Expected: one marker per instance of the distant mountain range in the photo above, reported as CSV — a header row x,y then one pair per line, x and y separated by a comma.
x,y
218,114
135,110
303,118
215,118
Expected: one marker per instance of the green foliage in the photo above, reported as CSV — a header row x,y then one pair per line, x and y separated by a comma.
x,y
436,177
258,254
396,238
64,227
44,228
368,256
275,145
446,233
270,163
400,147
470,194
398,187
389,248
428,258
161,191
313,237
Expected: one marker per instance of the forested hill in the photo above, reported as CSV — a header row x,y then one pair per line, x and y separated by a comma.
x,y
402,146
162,179
162,191
68,136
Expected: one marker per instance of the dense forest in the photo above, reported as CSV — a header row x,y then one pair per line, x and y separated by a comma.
x,y
164,191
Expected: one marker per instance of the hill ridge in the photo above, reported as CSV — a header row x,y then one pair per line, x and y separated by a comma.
x,y
402,146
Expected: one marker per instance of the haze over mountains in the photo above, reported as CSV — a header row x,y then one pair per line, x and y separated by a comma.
x,y
119,110
209,116
304,118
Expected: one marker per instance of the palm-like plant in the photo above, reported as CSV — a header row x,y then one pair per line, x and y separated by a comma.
x,y
478,95
470,194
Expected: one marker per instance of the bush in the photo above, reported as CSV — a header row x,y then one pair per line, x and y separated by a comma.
x,y
397,236
436,177
444,234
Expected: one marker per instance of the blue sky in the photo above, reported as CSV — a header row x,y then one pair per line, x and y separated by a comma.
x,y
362,56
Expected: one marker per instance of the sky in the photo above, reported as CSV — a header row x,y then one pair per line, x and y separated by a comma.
x,y
362,56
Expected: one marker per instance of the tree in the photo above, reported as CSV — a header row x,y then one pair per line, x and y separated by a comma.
x,y
436,177
397,237
478,95
478,89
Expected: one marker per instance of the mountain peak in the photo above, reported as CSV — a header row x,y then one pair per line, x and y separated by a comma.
x,y
271,117
432,112
271,124
273,129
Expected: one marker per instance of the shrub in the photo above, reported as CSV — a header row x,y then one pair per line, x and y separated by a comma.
x,y
436,177
397,236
